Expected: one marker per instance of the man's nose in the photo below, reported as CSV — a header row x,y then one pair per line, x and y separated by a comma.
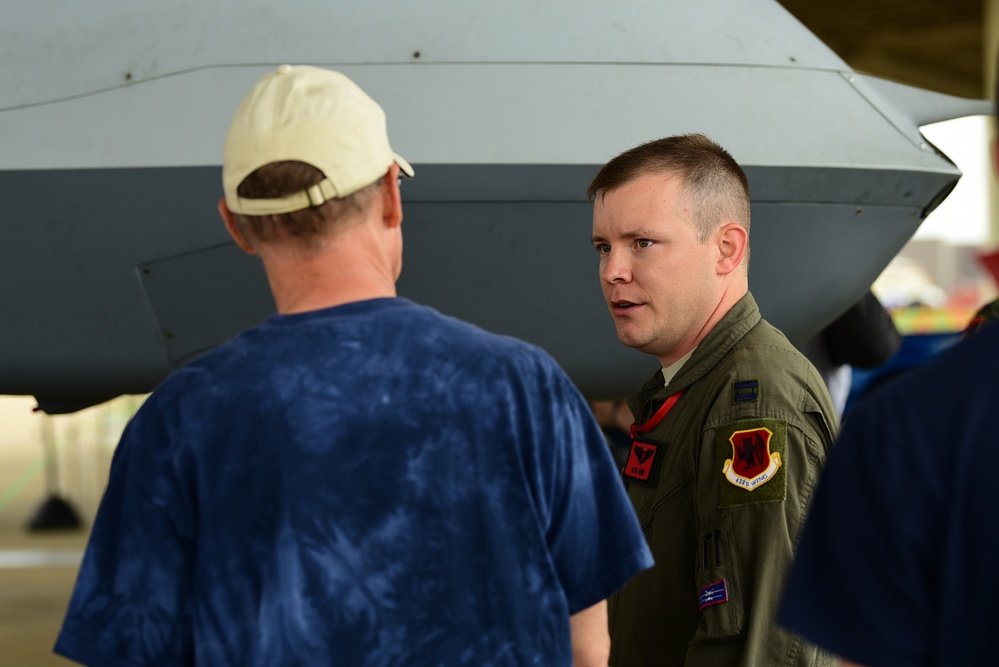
x,y
615,268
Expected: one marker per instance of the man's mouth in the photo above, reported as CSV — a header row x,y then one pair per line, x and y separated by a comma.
x,y
621,306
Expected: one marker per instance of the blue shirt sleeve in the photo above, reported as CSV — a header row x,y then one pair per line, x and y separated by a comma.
x,y
130,603
594,535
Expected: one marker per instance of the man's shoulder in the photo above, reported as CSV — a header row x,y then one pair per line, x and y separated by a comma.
x,y
372,322
751,351
460,335
766,333
766,375
397,332
766,344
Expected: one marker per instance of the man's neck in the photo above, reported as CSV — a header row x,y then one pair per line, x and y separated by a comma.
x,y
339,273
727,299
670,371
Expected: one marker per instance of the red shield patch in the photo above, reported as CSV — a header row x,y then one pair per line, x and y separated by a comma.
x,y
751,464
750,452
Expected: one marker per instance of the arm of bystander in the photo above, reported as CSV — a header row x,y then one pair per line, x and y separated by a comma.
x,y
590,637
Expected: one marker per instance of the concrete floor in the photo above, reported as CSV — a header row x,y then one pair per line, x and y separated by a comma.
x,y
32,603
38,568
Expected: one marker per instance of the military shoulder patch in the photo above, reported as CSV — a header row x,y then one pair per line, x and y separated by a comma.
x,y
750,455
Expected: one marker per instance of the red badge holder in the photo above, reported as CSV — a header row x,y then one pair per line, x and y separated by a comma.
x,y
640,467
641,461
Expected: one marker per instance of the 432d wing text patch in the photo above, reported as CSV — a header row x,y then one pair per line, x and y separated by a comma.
x,y
750,455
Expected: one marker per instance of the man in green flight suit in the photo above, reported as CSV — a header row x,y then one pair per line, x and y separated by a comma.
x,y
729,438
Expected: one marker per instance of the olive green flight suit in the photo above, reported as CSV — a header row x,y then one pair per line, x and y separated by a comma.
x,y
734,466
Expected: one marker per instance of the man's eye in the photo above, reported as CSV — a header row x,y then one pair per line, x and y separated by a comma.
x,y
602,248
643,243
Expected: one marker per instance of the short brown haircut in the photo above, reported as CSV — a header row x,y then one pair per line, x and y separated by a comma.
x,y
714,181
308,226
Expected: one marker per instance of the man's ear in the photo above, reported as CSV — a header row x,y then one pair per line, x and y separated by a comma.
x,y
234,231
733,239
391,197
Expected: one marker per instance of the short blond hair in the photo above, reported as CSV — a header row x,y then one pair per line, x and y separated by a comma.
x,y
714,181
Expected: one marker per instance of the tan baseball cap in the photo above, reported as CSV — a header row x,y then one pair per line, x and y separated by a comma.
x,y
311,115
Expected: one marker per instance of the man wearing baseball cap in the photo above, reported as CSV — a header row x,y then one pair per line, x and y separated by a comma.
x,y
358,480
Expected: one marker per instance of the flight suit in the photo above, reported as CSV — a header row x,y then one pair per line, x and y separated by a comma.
x,y
721,484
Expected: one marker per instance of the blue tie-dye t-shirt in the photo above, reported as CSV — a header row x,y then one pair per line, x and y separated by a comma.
x,y
371,484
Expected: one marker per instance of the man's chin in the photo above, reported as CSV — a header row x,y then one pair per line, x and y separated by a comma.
x,y
629,340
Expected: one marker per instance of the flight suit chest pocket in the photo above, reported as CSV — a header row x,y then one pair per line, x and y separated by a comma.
x,y
668,484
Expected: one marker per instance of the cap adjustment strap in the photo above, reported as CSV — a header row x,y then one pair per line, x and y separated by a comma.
x,y
320,193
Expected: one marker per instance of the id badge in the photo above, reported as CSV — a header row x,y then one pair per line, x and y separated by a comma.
x,y
641,465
